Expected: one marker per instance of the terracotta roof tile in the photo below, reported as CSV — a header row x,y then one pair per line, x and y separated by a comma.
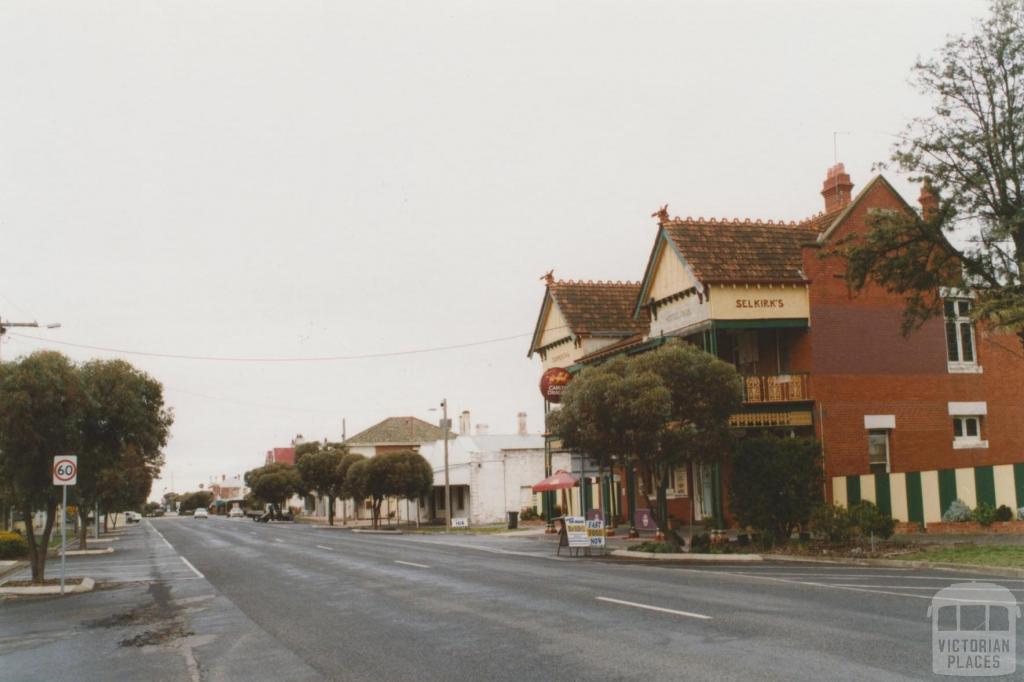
x,y
747,250
599,307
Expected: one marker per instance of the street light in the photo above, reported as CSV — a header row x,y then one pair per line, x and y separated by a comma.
x,y
445,424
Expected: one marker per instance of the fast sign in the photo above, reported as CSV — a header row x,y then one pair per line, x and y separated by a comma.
x,y
65,470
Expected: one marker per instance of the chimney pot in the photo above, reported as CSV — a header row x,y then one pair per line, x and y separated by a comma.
x,y
464,423
837,188
522,423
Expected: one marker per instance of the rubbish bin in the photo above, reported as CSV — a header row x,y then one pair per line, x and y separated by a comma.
x,y
513,520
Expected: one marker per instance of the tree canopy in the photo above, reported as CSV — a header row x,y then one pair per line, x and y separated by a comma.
x,y
970,153
320,471
274,483
404,474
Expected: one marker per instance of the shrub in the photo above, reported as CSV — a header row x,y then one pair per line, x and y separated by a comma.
x,y
12,546
1004,513
529,514
653,547
985,514
701,544
958,512
776,482
831,521
871,520
1020,514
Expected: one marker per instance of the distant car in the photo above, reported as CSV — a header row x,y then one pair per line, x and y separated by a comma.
x,y
133,517
201,513
236,513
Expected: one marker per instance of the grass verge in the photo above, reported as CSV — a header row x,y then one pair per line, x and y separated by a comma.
x,y
978,555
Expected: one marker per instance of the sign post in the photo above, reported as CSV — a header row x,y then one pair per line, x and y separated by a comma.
x,y
65,473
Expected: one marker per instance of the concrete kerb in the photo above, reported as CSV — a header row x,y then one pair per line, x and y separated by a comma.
x,y
83,552
1000,571
86,585
686,556
371,531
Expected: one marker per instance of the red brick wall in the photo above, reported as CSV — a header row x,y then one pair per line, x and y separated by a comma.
x,y
863,365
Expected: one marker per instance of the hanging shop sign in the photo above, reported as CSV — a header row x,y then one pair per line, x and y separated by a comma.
x,y
553,383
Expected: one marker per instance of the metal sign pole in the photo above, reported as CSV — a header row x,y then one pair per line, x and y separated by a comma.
x,y
63,537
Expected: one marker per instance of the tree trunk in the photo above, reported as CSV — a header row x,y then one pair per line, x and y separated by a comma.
x,y
83,531
330,510
106,518
37,550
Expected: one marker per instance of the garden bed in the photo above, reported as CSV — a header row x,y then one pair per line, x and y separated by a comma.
x,y
973,527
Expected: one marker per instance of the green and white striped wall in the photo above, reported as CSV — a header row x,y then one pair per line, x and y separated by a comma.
x,y
922,496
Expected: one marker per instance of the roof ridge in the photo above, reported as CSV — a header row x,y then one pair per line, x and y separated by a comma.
x,y
758,222
600,282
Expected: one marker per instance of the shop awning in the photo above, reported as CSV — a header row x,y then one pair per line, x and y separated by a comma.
x,y
560,480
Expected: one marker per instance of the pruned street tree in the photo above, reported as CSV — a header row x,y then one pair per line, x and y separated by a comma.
x,y
199,499
41,409
347,491
969,152
321,472
402,474
274,483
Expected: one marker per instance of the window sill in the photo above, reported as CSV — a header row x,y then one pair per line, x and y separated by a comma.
x,y
675,496
970,444
964,368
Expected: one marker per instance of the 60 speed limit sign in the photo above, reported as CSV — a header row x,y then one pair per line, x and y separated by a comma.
x,y
65,470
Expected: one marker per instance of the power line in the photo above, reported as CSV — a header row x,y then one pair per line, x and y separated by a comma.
x,y
326,358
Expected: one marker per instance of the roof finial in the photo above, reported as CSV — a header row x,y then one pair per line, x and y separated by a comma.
x,y
549,277
661,214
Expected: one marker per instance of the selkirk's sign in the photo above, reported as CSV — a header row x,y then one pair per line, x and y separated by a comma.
x,y
760,303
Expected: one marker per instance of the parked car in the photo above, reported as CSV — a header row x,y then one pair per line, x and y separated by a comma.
x,y
236,513
132,517
201,513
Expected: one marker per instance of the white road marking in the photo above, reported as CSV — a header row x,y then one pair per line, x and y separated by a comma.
x,y
688,614
162,537
838,576
322,547
278,540
410,563
194,569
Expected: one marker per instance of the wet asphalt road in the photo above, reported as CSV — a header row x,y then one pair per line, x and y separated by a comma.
x,y
220,599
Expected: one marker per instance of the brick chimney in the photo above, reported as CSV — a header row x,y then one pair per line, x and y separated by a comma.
x,y
929,200
837,188
464,423
522,423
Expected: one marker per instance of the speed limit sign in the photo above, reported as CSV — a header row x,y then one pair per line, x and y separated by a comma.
x,y
65,469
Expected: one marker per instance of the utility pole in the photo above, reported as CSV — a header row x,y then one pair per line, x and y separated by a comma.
x,y
447,489
4,325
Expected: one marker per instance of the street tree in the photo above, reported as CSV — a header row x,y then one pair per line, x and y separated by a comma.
x,y
346,491
402,474
124,411
970,153
705,392
126,486
199,499
274,483
321,472
776,484
41,406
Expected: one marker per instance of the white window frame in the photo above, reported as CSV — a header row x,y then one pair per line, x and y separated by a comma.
x,y
676,477
888,449
965,441
959,365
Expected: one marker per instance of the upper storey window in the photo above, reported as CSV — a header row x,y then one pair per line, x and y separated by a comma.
x,y
960,341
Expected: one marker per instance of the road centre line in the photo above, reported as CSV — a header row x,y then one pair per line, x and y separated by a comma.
x,y
411,563
278,540
688,614
194,569
328,548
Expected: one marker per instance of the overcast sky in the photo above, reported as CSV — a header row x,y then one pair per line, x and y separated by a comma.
x,y
296,179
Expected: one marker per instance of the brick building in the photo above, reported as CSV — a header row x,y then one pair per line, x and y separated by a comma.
x,y
909,422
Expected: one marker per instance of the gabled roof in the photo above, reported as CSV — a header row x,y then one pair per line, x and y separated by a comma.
x,y
747,251
840,215
592,308
399,430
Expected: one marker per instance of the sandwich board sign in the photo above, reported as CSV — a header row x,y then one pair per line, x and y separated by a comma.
x,y
65,470
576,529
